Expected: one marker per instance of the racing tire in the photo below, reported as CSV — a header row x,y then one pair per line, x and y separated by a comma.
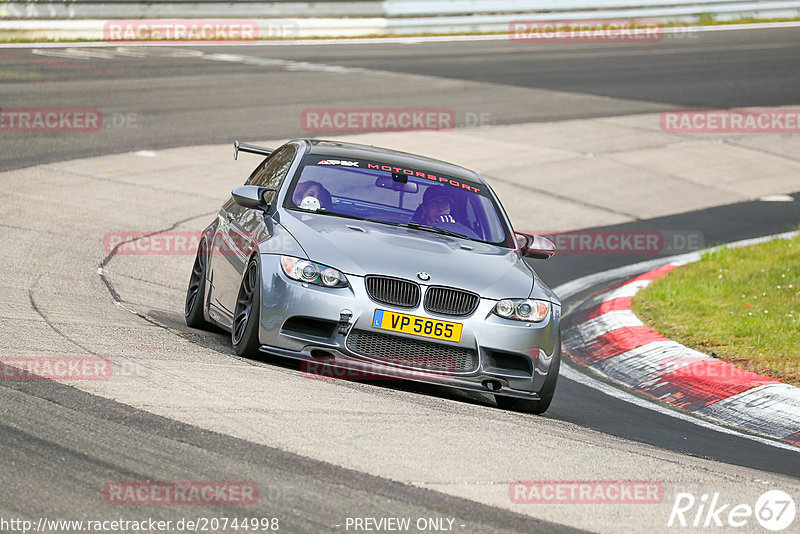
x,y
540,406
247,312
196,292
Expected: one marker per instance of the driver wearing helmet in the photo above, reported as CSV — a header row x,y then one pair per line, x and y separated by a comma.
x,y
435,207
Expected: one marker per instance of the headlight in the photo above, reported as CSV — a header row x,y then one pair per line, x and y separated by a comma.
x,y
522,309
312,273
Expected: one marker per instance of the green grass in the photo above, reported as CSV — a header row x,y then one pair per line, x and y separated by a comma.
x,y
740,305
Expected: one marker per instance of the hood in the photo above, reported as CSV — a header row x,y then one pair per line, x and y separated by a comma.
x,y
361,247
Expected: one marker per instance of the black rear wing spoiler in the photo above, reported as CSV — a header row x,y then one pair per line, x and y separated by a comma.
x,y
253,149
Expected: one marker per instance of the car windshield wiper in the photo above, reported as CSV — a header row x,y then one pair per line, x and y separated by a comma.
x,y
419,226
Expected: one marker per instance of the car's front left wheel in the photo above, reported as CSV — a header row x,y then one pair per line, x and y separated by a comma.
x,y
196,292
246,314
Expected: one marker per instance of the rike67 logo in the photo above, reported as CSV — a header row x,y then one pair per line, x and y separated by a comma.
x,y
774,510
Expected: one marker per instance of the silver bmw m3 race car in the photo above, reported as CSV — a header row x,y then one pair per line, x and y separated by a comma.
x,y
384,263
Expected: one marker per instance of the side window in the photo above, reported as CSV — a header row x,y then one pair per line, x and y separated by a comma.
x,y
275,169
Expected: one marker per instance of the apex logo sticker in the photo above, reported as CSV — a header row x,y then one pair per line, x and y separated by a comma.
x,y
342,163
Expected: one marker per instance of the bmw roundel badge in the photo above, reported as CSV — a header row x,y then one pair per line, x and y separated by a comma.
x,y
423,276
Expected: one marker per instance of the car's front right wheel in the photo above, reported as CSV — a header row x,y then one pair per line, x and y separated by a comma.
x,y
246,314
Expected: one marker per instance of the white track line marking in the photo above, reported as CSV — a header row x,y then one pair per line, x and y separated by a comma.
x,y
568,372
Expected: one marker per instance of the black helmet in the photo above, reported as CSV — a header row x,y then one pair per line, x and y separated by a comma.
x,y
437,191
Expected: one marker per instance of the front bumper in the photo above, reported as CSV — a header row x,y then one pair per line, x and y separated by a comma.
x,y
513,357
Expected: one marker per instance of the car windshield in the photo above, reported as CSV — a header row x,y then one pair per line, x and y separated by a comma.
x,y
399,196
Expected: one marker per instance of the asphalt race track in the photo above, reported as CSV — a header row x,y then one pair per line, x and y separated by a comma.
x,y
324,451
202,95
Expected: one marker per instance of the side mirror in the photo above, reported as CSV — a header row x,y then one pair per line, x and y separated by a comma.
x,y
253,196
535,246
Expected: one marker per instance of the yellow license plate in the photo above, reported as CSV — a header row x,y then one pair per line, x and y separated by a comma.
x,y
418,326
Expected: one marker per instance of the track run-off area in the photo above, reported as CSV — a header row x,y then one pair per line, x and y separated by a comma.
x,y
570,137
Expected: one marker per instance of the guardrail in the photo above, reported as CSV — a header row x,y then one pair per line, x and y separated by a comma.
x,y
414,8
119,9
129,9
574,10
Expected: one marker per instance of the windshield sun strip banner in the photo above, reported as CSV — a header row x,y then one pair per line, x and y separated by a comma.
x,y
380,166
